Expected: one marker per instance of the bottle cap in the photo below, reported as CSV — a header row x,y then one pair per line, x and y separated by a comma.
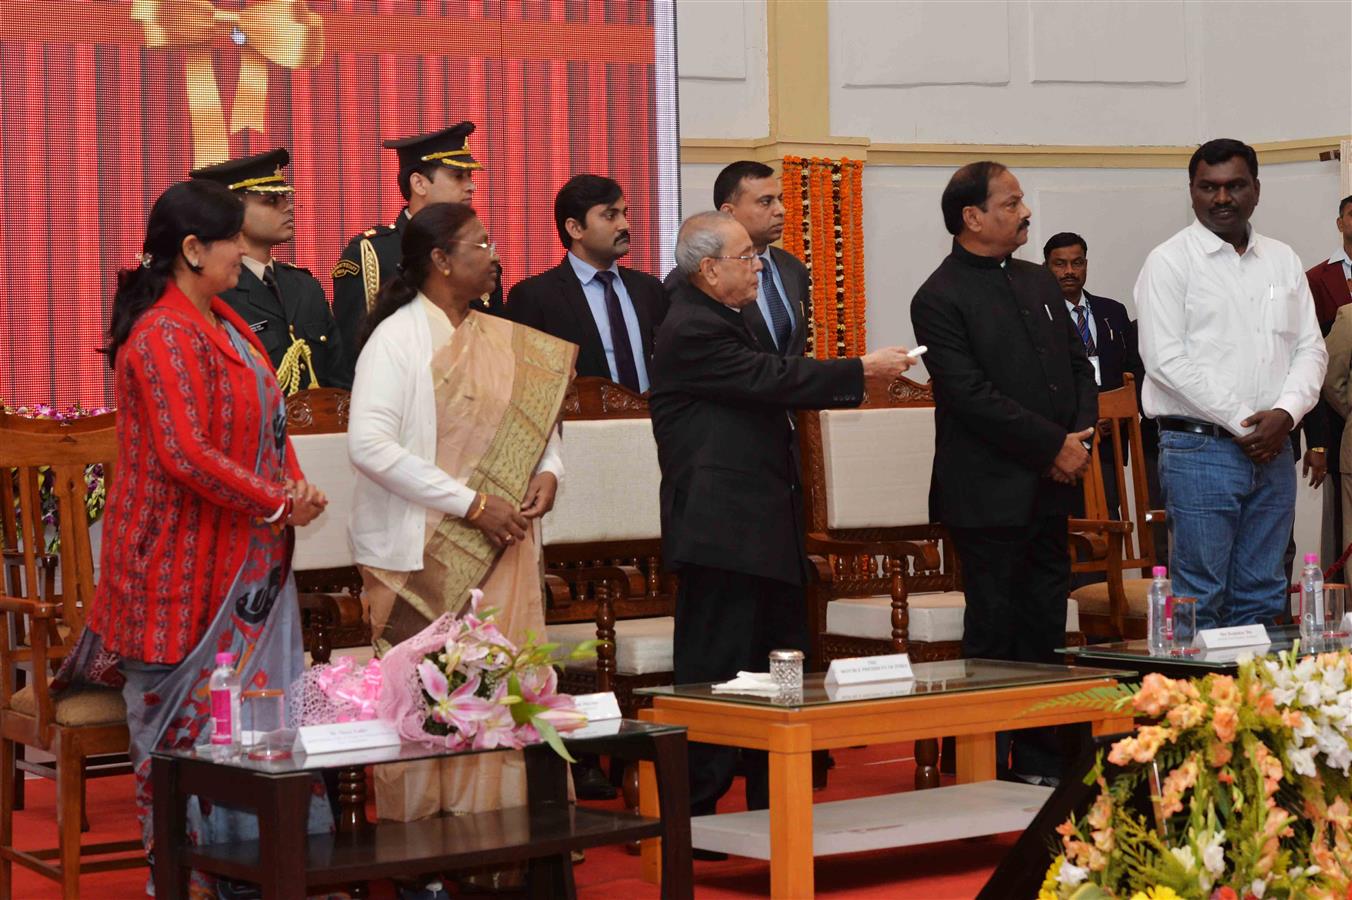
x,y
1311,559
225,659
1159,572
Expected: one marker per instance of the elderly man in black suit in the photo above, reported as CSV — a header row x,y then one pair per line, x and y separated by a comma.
x,y
1105,329
751,193
731,499
609,311
1015,402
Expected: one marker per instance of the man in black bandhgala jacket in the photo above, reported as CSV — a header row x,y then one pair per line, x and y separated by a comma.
x,y
722,414
1015,402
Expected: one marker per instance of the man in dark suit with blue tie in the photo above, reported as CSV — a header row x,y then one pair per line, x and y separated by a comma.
x,y
751,193
1104,327
609,311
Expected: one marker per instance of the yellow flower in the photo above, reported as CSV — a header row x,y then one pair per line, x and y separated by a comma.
x,y
1156,893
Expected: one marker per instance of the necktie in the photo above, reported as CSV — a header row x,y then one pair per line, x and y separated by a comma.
x,y
1082,324
270,282
619,334
779,313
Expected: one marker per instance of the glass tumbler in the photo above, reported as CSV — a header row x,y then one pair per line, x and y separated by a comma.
x,y
786,669
1183,618
1335,609
267,718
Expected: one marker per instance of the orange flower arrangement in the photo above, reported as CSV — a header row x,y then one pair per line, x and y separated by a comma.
x,y
823,226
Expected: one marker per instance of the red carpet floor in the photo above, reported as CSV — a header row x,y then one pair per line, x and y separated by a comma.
x,y
949,871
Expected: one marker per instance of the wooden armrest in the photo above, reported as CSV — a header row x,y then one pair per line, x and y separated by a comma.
x,y
819,568
630,576
1099,526
36,609
1156,517
926,554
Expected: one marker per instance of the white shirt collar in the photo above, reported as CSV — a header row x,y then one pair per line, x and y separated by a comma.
x,y
1081,299
1212,242
257,267
1341,256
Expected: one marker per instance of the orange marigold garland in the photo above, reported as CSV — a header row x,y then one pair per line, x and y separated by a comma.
x,y
824,228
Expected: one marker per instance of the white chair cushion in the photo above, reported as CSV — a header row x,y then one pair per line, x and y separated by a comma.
x,y
610,484
642,646
877,465
323,543
934,617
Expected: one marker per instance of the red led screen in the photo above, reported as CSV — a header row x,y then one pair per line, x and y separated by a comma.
x,y
103,104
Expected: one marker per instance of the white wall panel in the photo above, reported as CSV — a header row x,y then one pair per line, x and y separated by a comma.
x,y
1110,41
722,67
899,43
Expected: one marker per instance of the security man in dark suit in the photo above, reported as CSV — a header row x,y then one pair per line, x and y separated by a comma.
x,y
1105,330
433,168
732,506
609,311
751,192
283,303
1015,404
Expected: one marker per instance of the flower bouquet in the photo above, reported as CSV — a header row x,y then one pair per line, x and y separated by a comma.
x,y
461,684
1248,790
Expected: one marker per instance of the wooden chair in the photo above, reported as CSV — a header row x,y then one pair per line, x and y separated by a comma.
x,y
603,545
327,580
82,729
1124,554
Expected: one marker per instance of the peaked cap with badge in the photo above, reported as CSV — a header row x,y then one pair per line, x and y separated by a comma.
x,y
286,308
372,257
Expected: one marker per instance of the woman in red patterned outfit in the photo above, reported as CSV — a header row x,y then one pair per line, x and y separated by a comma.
x,y
199,516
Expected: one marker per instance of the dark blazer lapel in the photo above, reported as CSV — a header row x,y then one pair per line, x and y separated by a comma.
x,y
258,294
1332,273
642,310
755,322
576,300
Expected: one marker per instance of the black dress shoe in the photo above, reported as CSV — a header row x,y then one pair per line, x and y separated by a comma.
x,y
708,855
590,783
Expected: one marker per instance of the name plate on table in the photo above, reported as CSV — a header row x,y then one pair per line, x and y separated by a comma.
x,y
364,735
598,707
878,690
868,669
1234,636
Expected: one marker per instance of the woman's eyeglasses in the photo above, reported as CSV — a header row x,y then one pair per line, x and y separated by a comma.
x,y
491,247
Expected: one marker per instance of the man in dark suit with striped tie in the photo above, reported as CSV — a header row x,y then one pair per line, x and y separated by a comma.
x,y
609,311
751,192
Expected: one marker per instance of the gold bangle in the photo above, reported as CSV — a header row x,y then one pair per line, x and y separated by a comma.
x,y
478,510
1318,450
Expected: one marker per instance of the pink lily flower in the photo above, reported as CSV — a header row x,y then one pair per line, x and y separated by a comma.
x,y
459,709
496,728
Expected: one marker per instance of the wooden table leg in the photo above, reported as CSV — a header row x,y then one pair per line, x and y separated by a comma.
x,y
282,819
170,818
926,763
352,823
547,877
791,859
671,770
650,849
975,757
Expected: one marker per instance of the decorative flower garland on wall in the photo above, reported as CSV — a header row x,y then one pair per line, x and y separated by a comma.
x,y
824,227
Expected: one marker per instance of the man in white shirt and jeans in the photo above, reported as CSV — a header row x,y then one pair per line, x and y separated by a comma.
x,y
1233,360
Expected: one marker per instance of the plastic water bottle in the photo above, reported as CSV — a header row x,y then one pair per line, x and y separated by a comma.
x,y
225,717
1311,599
1157,624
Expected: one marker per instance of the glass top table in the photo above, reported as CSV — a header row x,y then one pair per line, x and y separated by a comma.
x,y
608,730
947,677
1136,655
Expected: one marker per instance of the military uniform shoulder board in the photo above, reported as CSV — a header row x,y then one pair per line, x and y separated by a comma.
x,y
288,265
345,267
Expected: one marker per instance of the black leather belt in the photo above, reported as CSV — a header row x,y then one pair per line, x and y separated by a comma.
x,y
1170,424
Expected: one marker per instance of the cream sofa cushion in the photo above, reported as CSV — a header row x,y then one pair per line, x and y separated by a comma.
x,y
1094,597
610,484
323,543
877,464
642,646
934,617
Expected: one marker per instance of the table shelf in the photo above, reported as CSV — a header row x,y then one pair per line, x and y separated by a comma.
x,y
393,848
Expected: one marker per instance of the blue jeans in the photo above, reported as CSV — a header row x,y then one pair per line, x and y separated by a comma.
x,y
1229,522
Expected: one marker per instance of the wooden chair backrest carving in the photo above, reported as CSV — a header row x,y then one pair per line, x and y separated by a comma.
x,y
69,450
1120,416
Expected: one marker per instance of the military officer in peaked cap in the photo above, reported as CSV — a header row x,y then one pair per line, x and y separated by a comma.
x,y
283,303
433,168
